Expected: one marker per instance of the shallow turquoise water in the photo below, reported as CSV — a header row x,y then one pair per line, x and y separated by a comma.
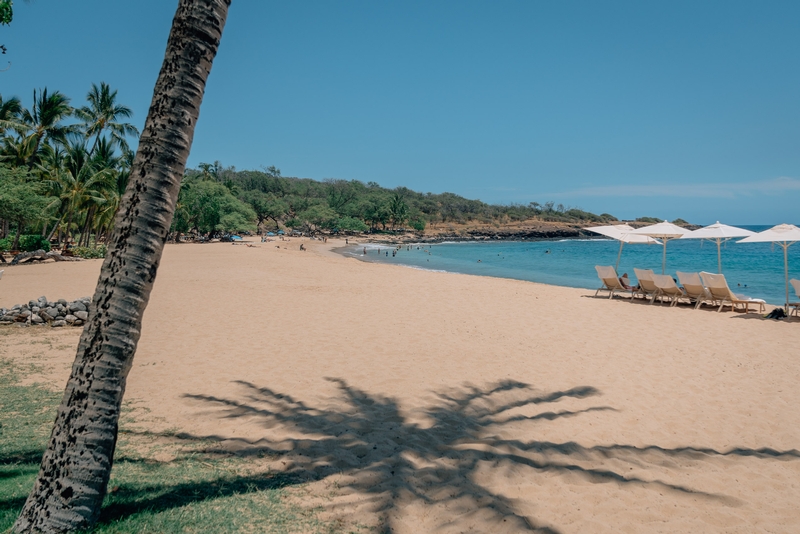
x,y
753,269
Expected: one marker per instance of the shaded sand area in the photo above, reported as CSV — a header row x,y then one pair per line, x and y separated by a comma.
x,y
409,401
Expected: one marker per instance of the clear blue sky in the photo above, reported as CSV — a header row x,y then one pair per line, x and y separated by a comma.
x,y
668,109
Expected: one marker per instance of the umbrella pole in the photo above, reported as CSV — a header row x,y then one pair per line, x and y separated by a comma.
x,y
664,258
719,256
786,273
619,255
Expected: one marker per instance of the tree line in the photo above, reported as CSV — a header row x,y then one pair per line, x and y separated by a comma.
x,y
215,199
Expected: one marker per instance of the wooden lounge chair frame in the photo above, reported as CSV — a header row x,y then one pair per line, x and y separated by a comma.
x,y
611,283
695,289
667,288
719,289
795,306
647,287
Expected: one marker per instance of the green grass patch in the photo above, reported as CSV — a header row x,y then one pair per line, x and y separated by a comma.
x,y
159,483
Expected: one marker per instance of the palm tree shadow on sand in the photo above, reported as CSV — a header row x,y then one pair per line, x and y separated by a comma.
x,y
393,462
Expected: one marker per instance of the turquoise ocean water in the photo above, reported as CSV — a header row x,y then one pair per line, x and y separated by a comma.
x,y
753,269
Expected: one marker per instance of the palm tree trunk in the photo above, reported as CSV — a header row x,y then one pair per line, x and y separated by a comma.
x,y
87,227
96,140
67,239
55,228
76,466
15,244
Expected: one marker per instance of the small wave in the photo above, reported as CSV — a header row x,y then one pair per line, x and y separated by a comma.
x,y
418,268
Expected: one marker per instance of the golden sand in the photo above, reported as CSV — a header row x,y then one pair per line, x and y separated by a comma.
x,y
426,401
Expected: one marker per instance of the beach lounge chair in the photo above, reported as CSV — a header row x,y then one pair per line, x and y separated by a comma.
x,y
610,280
719,289
695,289
796,305
667,288
646,285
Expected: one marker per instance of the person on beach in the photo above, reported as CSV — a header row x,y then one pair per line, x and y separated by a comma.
x,y
302,247
365,251
625,281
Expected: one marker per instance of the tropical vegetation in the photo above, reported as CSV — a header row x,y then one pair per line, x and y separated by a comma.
x,y
278,202
63,169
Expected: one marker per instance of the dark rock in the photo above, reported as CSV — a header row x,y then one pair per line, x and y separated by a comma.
x,y
76,306
77,323
36,319
62,302
70,319
59,323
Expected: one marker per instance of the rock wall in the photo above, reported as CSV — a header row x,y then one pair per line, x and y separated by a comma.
x,y
46,312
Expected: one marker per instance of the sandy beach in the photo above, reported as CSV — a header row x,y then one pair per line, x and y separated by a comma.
x,y
413,401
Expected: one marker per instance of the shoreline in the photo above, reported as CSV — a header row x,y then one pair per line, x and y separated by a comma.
x,y
587,283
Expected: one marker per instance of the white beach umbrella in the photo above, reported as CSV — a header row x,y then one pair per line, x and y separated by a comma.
x,y
622,233
784,235
718,233
664,231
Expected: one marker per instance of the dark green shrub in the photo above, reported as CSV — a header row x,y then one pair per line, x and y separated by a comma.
x,y
29,243
351,224
90,253
5,244
418,225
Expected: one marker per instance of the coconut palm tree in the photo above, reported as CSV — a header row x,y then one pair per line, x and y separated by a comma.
x,y
76,466
43,120
103,113
17,151
80,182
10,111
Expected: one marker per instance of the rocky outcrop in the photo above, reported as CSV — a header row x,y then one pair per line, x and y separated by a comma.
x,y
41,255
46,312
516,234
